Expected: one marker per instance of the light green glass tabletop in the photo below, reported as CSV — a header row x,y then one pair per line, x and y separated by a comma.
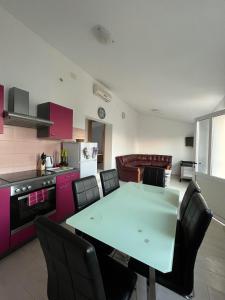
x,y
137,219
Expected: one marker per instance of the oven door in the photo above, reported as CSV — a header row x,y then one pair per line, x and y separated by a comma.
x,y
25,207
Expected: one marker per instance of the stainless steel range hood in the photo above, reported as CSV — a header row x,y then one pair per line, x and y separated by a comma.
x,y
22,120
18,111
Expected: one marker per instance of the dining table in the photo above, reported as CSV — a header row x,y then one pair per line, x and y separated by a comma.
x,y
138,220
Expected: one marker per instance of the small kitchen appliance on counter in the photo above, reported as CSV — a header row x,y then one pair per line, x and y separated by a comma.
x,y
45,162
48,162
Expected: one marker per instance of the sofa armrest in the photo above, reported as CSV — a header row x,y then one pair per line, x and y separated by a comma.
x,y
129,173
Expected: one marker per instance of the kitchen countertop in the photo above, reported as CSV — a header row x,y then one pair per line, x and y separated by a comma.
x,y
63,171
60,170
4,183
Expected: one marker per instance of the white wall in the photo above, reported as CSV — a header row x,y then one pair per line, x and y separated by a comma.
x,y
221,105
213,190
162,136
28,62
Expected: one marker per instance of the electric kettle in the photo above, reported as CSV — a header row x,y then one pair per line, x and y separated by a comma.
x,y
48,162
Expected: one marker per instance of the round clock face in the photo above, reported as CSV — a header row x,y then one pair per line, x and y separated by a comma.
x,y
101,113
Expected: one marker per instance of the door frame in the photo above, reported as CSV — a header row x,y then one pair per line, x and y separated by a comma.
x,y
107,147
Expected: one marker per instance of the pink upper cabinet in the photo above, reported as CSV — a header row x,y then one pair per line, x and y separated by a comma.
x,y
1,107
62,118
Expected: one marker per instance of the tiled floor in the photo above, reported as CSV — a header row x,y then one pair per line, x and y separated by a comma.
x,y
23,274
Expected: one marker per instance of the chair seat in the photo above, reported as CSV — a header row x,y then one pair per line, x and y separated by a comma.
x,y
118,280
86,192
179,233
171,280
174,280
100,247
143,269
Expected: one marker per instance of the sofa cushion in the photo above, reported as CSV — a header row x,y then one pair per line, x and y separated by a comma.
x,y
159,164
127,158
132,164
143,163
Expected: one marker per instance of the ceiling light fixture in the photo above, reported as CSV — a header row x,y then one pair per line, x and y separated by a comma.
x,y
102,35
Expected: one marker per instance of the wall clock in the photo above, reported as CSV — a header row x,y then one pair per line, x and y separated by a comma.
x,y
101,113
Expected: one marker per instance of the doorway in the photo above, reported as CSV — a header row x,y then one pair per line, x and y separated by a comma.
x,y
96,134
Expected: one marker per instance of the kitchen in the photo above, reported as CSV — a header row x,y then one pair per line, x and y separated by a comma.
x,y
31,184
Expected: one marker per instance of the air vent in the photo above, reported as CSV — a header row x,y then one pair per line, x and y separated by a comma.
x,y
102,93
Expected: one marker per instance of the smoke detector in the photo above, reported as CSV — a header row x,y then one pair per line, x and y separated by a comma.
x,y
102,35
155,110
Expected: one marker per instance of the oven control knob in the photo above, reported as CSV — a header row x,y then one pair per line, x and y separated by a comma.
x,y
17,190
24,188
44,183
53,181
49,182
29,187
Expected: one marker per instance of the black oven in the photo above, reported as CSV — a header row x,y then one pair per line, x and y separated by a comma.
x,y
31,200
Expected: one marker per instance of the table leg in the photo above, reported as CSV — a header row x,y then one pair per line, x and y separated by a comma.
x,y
151,287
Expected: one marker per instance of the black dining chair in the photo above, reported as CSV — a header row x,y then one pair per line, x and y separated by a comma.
x,y
86,192
194,225
74,270
154,176
192,188
110,181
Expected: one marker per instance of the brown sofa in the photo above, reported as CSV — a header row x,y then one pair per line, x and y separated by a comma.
x,y
131,167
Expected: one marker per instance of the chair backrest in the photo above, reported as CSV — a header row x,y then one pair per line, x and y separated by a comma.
x,y
73,269
154,176
194,225
191,189
110,181
85,192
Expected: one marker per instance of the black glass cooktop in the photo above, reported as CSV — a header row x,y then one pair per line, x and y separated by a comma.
x,y
25,175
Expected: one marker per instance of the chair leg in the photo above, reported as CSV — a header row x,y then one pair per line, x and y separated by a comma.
x,y
151,286
190,296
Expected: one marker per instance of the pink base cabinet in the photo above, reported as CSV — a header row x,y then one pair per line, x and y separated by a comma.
x,y
20,237
26,234
4,219
64,195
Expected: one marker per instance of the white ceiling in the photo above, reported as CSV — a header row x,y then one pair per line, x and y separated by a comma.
x,y
168,54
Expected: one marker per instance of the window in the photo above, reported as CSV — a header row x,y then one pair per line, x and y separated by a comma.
x,y
218,147
203,146
210,145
